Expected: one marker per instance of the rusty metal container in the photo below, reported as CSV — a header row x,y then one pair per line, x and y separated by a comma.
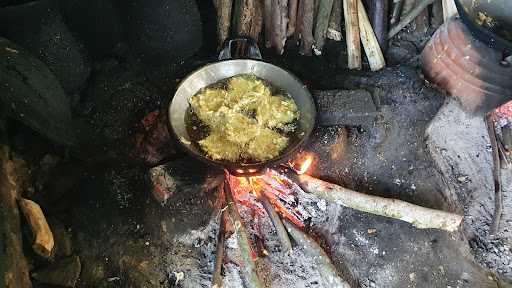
x,y
466,68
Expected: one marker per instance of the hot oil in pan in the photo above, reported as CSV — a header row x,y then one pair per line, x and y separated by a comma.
x,y
197,130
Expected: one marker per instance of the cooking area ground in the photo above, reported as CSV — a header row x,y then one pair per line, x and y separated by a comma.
x,y
132,208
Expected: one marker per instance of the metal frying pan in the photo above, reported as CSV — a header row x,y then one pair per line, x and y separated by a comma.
x,y
228,67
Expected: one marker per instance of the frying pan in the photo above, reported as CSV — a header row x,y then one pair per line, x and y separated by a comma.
x,y
228,67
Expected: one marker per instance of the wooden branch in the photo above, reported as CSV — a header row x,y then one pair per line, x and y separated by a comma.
x,y
219,255
449,9
326,269
43,237
379,20
305,22
248,267
409,17
496,174
279,24
322,22
278,224
334,29
223,20
352,34
418,216
370,43
293,6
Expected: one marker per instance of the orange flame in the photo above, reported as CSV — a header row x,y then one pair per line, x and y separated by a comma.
x,y
305,165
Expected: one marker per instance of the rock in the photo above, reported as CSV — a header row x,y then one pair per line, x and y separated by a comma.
x,y
63,273
32,94
43,237
345,107
38,26
95,22
163,32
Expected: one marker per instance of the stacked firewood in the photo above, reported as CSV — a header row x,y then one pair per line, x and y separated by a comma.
x,y
308,23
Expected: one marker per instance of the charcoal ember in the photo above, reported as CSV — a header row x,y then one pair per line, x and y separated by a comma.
x,y
39,27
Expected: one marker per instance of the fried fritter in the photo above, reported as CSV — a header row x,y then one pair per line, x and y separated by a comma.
x,y
218,147
266,145
276,111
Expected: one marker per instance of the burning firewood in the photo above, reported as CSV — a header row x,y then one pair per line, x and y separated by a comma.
x,y
322,22
327,270
278,224
248,267
43,237
418,216
370,42
352,33
223,19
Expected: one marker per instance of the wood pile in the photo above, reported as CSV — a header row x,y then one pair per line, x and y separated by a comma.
x,y
306,24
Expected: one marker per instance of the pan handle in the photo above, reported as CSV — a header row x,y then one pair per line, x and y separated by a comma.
x,y
246,44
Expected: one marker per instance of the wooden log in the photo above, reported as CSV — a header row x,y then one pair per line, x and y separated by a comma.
x,y
379,12
248,17
334,29
370,42
496,174
328,271
352,34
293,7
267,22
305,22
322,22
223,20
279,24
278,224
43,237
418,216
16,270
219,256
248,267
409,17
449,9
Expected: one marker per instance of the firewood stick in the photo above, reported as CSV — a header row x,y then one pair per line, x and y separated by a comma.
x,y
352,34
306,26
221,236
43,237
322,22
267,22
449,9
248,18
379,20
334,29
437,13
248,267
293,6
496,174
223,20
421,22
409,17
370,43
397,9
279,24
418,216
328,271
278,224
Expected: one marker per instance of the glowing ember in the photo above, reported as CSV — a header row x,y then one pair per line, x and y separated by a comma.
x,y
280,191
305,165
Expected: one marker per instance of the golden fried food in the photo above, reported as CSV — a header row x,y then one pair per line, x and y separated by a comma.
x,y
276,111
266,145
218,147
241,118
